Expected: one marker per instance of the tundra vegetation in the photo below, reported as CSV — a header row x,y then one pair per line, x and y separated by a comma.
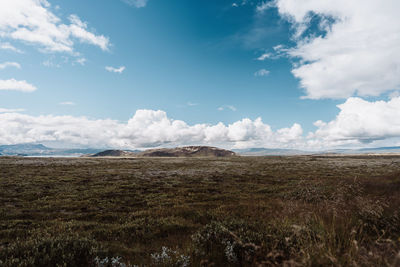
x,y
236,211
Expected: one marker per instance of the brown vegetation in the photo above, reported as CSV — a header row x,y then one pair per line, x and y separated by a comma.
x,y
236,211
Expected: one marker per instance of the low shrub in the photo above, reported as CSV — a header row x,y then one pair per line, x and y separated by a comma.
x,y
58,251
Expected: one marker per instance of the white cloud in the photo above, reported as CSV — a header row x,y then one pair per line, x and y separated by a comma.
x,y
67,103
8,46
394,94
81,61
78,30
290,134
32,21
115,70
14,85
265,5
262,72
279,51
191,104
136,3
147,128
264,56
8,110
55,61
359,122
225,107
51,64
359,54
9,64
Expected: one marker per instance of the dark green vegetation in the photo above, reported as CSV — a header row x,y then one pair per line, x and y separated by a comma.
x,y
238,211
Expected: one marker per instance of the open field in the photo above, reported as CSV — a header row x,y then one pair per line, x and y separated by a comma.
x,y
239,211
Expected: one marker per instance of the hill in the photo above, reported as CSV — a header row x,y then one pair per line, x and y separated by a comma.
x,y
188,151
114,153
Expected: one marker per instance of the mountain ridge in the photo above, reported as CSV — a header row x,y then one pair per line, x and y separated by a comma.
x,y
41,150
28,149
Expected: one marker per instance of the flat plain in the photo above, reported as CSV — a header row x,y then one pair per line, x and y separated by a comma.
x,y
236,211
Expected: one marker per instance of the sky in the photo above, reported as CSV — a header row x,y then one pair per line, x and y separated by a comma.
x,y
134,74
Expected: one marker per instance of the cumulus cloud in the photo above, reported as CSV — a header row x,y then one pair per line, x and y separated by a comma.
x,y
262,72
15,85
356,50
290,134
359,121
136,3
115,70
9,64
147,128
33,22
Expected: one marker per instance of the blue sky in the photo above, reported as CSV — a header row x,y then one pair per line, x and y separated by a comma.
x,y
200,62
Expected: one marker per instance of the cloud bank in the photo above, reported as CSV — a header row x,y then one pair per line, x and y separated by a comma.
x,y
356,50
358,123
147,128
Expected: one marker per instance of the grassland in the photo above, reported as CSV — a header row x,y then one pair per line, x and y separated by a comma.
x,y
239,211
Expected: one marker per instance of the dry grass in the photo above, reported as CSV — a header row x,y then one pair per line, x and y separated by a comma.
x,y
240,211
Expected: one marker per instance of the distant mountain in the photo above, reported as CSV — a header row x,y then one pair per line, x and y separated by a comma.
x,y
270,152
373,150
114,153
23,149
81,151
288,152
389,148
188,151
40,150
